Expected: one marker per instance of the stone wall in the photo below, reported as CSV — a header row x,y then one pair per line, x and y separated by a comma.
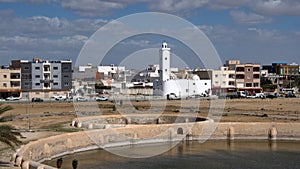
x,y
47,148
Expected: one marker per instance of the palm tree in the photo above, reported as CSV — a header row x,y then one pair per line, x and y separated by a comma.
x,y
8,134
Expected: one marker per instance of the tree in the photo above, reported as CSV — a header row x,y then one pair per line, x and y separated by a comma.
x,y
296,82
8,134
266,84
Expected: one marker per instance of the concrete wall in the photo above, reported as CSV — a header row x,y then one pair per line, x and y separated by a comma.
x,y
47,148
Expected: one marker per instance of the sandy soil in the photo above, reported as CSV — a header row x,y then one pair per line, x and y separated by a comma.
x,y
48,119
45,115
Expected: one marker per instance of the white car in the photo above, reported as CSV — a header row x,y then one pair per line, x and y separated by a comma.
x,y
60,98
101,98
251,96
172,96
12,98
260,95
81,99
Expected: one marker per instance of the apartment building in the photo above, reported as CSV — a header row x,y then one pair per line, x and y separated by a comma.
x,y
283,69
112,72
247,76
223,80
44,78
10,82
282,74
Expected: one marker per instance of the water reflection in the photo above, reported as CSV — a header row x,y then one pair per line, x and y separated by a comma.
x,y
211,154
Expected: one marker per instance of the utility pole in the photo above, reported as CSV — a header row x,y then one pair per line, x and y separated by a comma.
x,y
27,110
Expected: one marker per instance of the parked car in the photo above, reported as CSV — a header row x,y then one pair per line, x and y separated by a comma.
x,y
251,96
272,96
101,98
12,98
81,99
172,96
36,99
60,98
241,94
290,95
260,95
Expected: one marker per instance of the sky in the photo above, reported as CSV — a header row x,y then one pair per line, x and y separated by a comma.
x,y
253,31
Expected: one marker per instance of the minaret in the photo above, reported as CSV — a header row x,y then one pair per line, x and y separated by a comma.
x,y
164,57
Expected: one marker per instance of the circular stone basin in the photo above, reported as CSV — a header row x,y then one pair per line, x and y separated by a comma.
x,y
99,122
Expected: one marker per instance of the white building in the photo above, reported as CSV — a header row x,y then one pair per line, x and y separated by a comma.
x,y
168,84
223,80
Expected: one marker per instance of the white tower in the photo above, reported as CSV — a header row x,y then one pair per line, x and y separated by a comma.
x,y
164,57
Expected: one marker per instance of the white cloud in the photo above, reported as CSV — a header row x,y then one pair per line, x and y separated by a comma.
x,y
227,4
249,18
175,6
43,36
276,7
91,7
42,26
106,7
29,1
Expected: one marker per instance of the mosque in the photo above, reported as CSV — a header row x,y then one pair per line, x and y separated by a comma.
x,y
169,85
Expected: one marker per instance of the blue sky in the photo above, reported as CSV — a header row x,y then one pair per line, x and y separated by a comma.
x,y
257,31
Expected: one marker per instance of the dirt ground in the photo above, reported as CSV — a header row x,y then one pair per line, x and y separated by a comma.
x,y
53,118
60,114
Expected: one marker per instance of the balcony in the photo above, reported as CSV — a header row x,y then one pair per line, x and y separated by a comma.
x,y
46,68
46,81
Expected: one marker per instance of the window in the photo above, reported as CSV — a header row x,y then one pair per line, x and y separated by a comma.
x,y
240,69
248,84
216,75
256,84
67,68
166,58
256,76
4,84
26,68
15,75
224,75
231,76
240,76
166,70
15,84
37,92
194,83
37,84
205,84
37,68
231,83
256,69
248,69
26,84
37,76
66,76
55,68
55,76
55,84
66,84
4,76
